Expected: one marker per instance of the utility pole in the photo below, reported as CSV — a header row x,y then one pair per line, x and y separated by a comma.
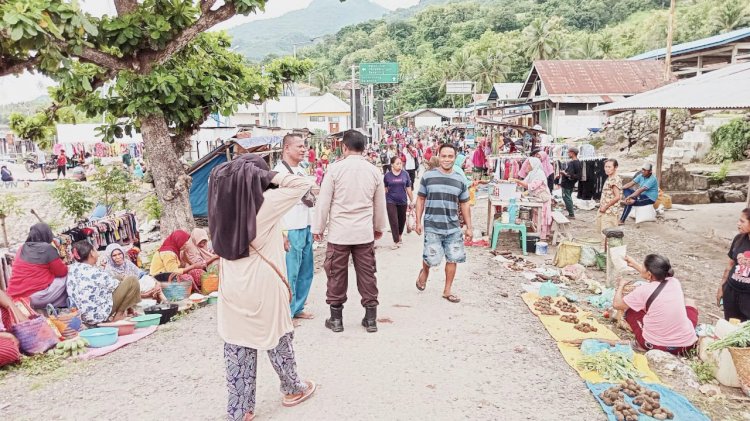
x,y
354,98
670,35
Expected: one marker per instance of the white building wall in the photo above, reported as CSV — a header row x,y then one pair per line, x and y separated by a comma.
x,y
427,121
570,126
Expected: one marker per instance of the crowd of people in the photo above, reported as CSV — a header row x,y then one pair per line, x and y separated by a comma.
x,y
263,248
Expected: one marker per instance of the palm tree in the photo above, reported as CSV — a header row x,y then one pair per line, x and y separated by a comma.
x,y
559,47
539,36
323,81
490,69
588,48
606,45
730,15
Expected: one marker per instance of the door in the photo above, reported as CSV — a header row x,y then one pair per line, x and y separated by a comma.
x,y
333,127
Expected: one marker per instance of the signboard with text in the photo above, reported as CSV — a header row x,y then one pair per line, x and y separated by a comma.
x,y
459,87
371,73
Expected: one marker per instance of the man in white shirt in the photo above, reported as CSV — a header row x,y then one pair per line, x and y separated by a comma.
x,y
298,236
41,159
412,161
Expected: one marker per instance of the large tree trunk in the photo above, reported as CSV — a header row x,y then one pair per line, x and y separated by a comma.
x,y
171,181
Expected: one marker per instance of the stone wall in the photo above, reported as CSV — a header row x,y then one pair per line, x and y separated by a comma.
x,y
640,130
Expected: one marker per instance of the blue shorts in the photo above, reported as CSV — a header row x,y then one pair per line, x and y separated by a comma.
x,y
450,246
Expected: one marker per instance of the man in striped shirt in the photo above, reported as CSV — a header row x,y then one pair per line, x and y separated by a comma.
x,y
442,193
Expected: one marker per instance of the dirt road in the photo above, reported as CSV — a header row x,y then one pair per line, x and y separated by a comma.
x,y
486,358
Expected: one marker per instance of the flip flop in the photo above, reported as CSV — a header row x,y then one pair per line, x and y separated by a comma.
x,y
425,281
452,298
289,402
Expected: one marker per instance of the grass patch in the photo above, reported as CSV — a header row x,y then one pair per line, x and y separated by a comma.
x,y
703,370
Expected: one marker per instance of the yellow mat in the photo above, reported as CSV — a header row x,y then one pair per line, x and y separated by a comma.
x,y
572,354
563,331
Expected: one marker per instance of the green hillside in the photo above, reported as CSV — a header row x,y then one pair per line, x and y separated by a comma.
x,y
258,39
496,40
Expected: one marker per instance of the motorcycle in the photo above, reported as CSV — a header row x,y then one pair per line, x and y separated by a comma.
x,y
31,166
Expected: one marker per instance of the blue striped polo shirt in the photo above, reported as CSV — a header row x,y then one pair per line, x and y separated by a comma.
x,y
442,193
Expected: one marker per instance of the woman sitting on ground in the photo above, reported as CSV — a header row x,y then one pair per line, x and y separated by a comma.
x,y
120,266
197,251
10,352
166,260
99,296
38,272
656,312
536,184
735,284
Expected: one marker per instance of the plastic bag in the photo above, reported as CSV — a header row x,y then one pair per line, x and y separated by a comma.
x,y
588,256
411,219
644,214
617,257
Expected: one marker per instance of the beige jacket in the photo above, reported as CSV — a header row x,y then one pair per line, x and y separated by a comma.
x,y
351,202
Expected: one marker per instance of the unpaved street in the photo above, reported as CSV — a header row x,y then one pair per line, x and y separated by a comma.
x,y
486,358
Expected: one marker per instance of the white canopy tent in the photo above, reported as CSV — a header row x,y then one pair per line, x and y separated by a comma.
x,y
86,134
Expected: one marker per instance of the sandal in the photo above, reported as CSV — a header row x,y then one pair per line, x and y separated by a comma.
x,y
424,285
292,400
452,298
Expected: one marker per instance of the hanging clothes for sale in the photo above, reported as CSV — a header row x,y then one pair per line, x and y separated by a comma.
x,y
592,178
121,229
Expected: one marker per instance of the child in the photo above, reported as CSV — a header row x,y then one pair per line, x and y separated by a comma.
x,y
319,173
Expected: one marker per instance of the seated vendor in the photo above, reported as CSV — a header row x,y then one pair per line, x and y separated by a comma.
x,y
120,266
167,260
198,251
656,311
99,296
9,346
38,272
536,185
646,194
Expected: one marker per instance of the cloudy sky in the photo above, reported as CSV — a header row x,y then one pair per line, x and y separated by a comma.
x,y
27,87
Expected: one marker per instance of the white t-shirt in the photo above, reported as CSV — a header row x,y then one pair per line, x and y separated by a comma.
x,y
299,216
41,158
411,162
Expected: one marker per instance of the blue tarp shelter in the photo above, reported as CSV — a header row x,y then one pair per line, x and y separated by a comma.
x,y
201,170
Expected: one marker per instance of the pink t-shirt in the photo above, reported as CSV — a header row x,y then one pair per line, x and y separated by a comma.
x,y
666,322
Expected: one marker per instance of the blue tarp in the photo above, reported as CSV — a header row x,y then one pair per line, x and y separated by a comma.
x,y
199,188
682,409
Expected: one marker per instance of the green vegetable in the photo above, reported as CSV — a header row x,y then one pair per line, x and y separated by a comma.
x,y
612,366
740,338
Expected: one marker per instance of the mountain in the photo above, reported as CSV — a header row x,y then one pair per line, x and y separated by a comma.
x,y
260,38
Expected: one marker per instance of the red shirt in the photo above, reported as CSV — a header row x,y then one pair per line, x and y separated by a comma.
x,y
62,160
311,155
29,278
428,154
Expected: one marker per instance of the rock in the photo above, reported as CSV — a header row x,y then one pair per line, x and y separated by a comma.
x,y
710,390
716,195
734,196
668,365
691,197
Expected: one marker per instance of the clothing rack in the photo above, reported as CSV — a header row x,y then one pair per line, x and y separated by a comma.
x,y
121,228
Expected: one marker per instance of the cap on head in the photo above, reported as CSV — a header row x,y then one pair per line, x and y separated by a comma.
x,y
574,150
647,166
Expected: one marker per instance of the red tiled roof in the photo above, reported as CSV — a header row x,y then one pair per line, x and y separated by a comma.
x,y
599,77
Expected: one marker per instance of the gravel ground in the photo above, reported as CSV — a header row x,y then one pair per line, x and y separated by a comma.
x,y
486,358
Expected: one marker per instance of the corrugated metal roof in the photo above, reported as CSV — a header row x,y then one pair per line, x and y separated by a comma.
x,y
725,88
585,99
697,45
598,77
502,91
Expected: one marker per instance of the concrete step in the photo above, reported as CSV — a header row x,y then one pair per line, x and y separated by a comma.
x,y
697,136
690,197
715,122
679,154
700,149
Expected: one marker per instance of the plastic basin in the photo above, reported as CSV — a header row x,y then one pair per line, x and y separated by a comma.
x,y
100,336
166,311
213,300
124,327
146,320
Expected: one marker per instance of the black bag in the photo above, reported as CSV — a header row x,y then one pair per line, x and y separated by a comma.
x,y
655,294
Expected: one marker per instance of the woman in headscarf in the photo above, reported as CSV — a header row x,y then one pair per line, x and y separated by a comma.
x,y
479,159
254,296
536,185
38,272
167,260
120,266
197,250
96,294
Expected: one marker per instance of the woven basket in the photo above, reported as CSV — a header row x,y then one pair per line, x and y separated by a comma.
x,y
68,323
210,283
35,335
741,359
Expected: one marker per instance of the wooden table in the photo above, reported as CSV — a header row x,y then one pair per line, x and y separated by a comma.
x,y
494,201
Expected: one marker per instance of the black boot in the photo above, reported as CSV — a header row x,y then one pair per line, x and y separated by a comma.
x,y
336,322
370,321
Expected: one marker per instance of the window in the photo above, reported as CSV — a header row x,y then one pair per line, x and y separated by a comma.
x,y
334,119
317,119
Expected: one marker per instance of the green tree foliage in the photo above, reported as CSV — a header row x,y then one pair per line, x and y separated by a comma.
x,y
111,186
151,64
731,15
73,197
153,208
730,142
8,207
498,40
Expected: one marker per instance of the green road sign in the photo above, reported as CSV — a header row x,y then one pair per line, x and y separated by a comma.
x,y
370,73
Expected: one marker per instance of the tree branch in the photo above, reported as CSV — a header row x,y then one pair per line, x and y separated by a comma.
x,y
207,20
125,7
10,68
97,57
206,5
